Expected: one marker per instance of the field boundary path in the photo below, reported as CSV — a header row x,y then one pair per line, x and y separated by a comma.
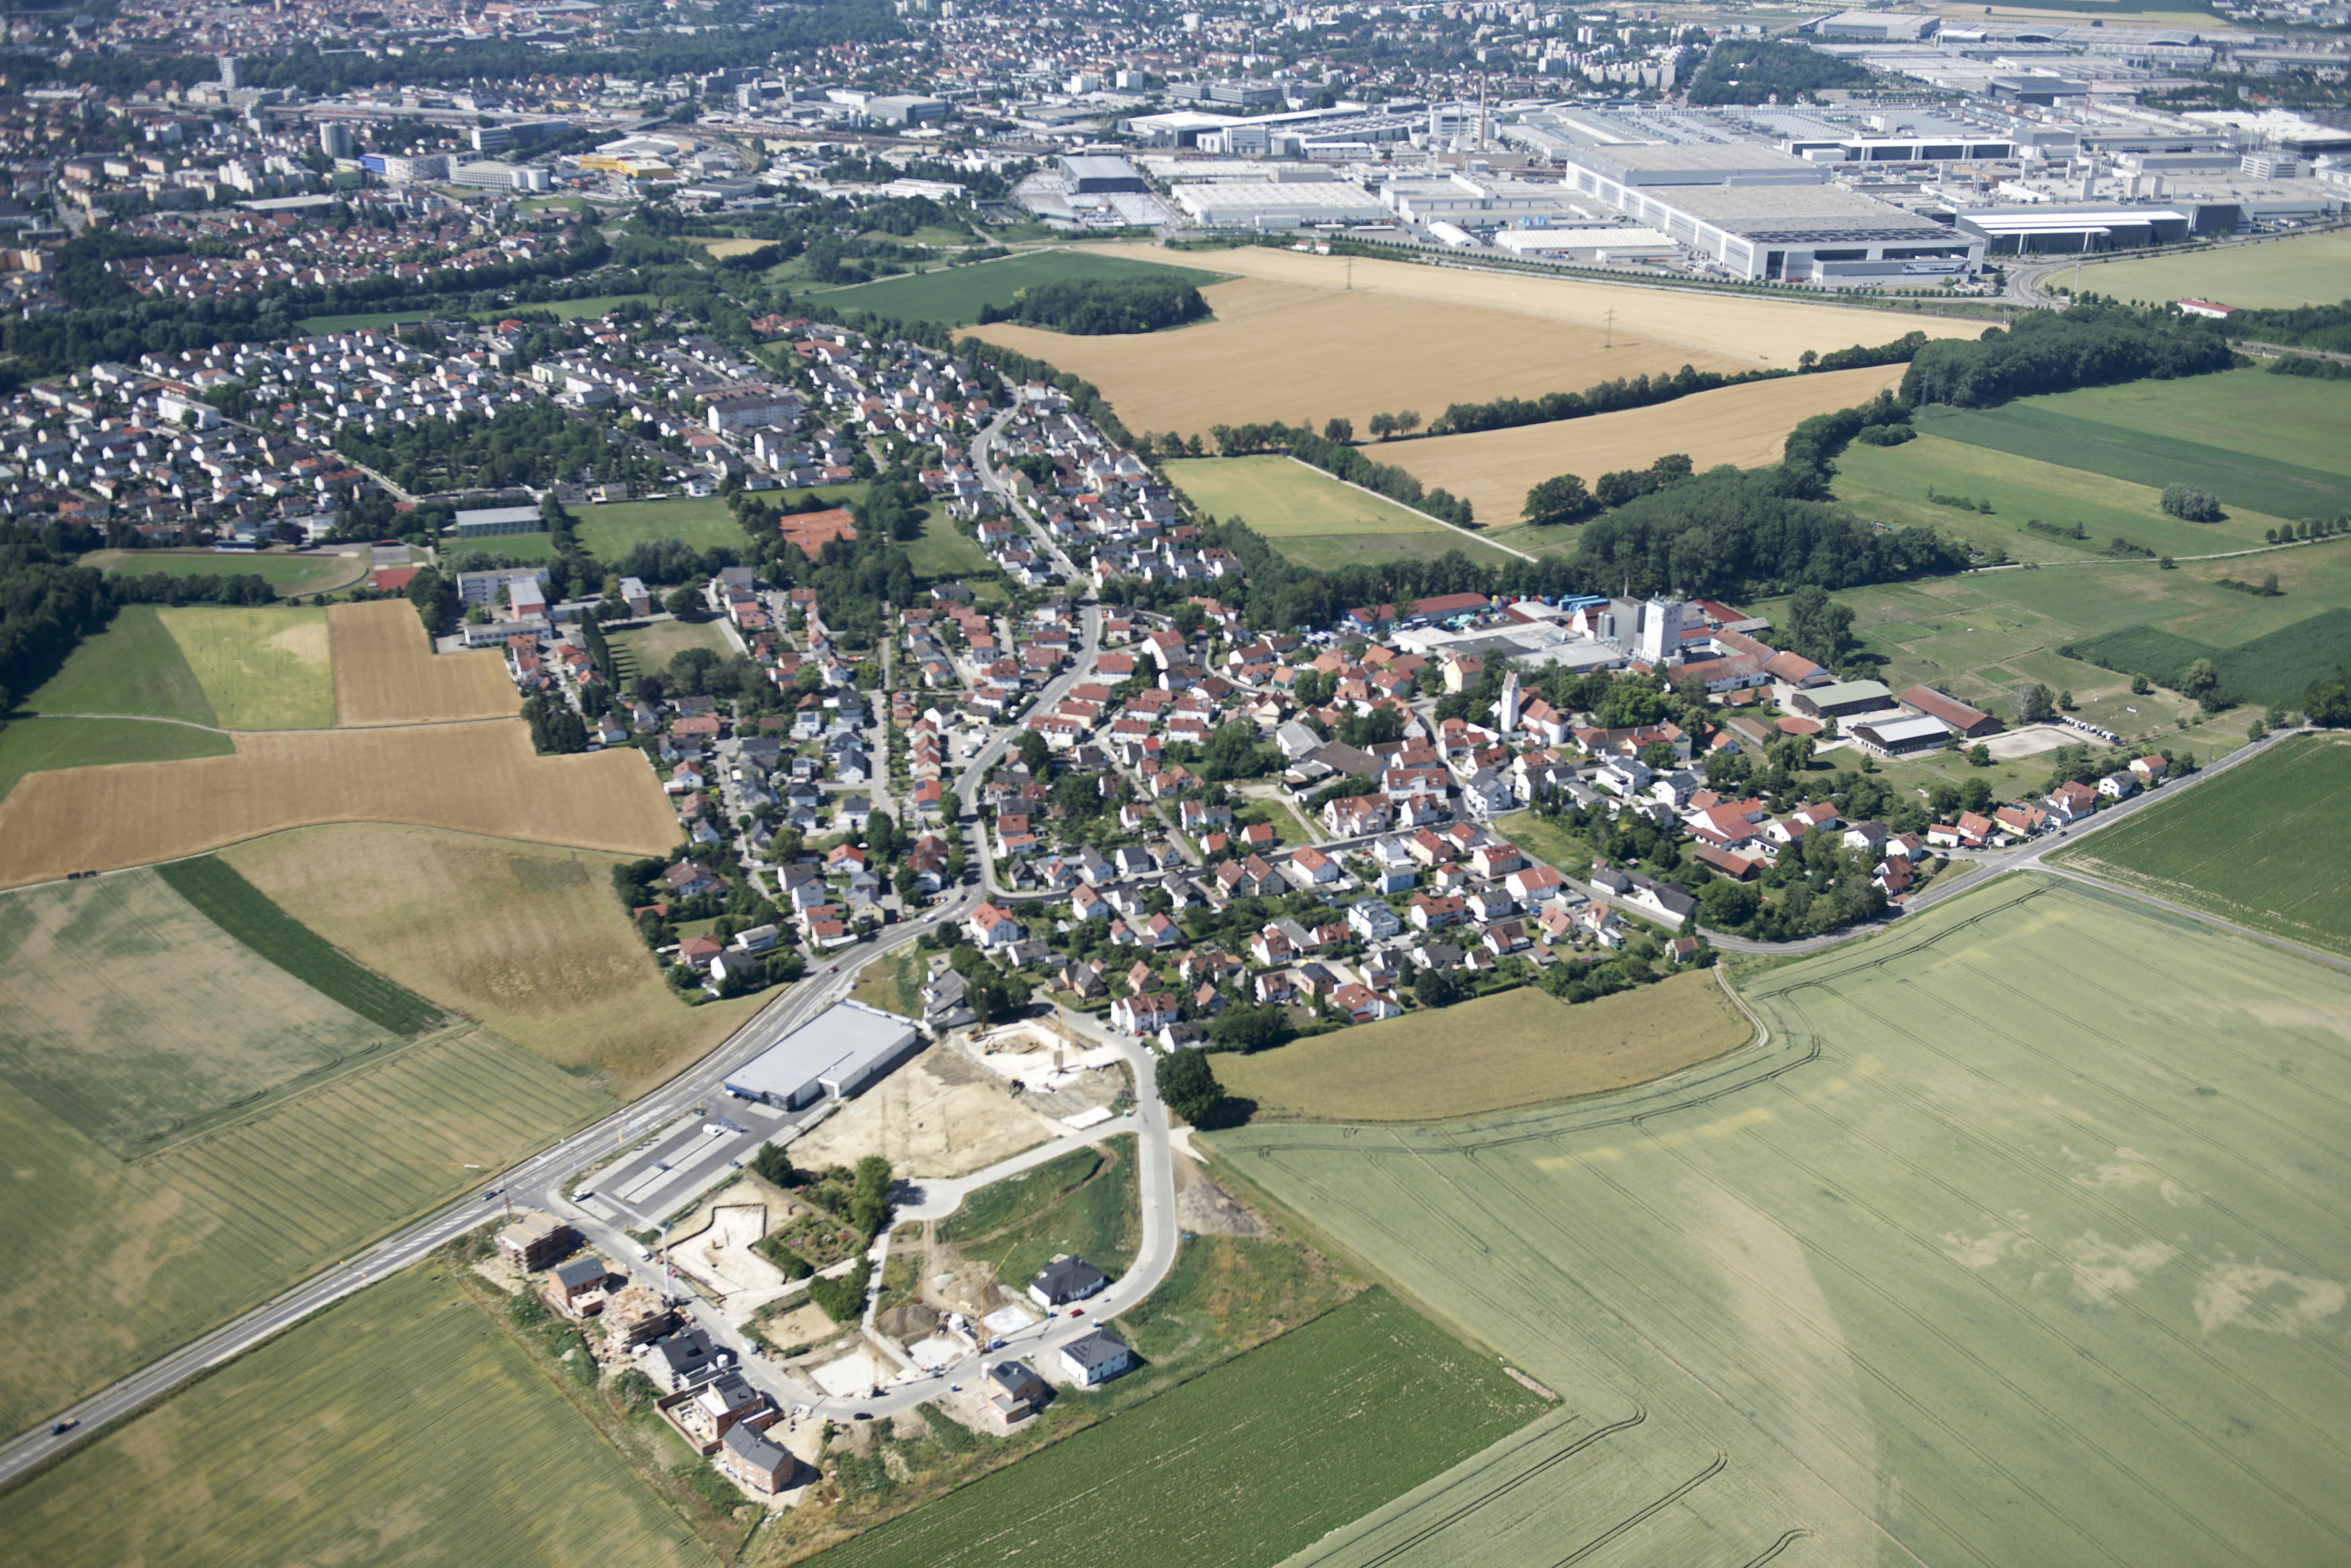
x,y
1441,522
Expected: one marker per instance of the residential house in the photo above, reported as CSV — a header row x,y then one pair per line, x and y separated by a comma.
x,y
1144,1014
1065,1280
1097,1358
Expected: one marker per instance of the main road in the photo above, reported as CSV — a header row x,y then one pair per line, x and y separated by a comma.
x,y
540,1181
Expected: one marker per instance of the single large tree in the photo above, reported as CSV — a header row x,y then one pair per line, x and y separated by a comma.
x,y
1562,499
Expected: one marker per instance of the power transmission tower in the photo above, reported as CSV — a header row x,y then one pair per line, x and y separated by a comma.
x,y
1610,342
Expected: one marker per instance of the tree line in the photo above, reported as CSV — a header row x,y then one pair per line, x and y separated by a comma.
x,y
1102,306
1646,391
2094,343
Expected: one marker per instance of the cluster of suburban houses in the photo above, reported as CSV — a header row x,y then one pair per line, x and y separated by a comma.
x,y
702,1394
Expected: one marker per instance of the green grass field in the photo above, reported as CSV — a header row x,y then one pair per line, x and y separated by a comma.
x,y
2306,269
1000,1203
135,666
239,668
647,649
953,295
162,1248
1246,1464
135,1019
260,668
246,913
944,553
37,746
1986,634
2264,845
1518,1047
606,532
1889,484
2262,442
525,548
401,1426
1312,518
291,576
1040,1216
2020,1243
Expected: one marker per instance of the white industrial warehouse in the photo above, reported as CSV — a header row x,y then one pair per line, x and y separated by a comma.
x,y
837,1052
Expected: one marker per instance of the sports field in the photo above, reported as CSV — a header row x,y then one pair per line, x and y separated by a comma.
x,y
37,746
1743,425
1246,1464
239,668
2262,442
386,673
2021,1241
953,295
606,532
157,1251
475,778
2272,273
1519,1048
131,1016
401,1426
1312,518
289,575
526,938
2266,845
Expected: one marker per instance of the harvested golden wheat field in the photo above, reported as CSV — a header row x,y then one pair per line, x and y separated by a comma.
x,y
475,778
526,939
1744,425
1297,352
386,673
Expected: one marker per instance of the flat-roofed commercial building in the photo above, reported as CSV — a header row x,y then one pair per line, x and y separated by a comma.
x,y
837,1052
1762,215
1088,175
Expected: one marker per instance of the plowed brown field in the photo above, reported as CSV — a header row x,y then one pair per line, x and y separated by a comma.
x,y
386,673
1291,341
475,778
1744,425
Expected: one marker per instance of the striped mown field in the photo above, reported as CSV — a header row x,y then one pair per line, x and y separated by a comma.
x,y
400,1427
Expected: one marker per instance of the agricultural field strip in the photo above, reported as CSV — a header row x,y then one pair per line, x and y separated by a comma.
x,y
254,1206
1284,1423
244,912
2276,827
1636,1112
399,1423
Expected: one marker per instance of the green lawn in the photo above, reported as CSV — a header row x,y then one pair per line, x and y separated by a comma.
x,y
606,532
2303,269
528,549
2019,1243
944,553
292,575
1098,1222
1313,519
1257,1458
1001,1203
2266,443
647,649
2264,845
135,666
401,1426
37,746
953,295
